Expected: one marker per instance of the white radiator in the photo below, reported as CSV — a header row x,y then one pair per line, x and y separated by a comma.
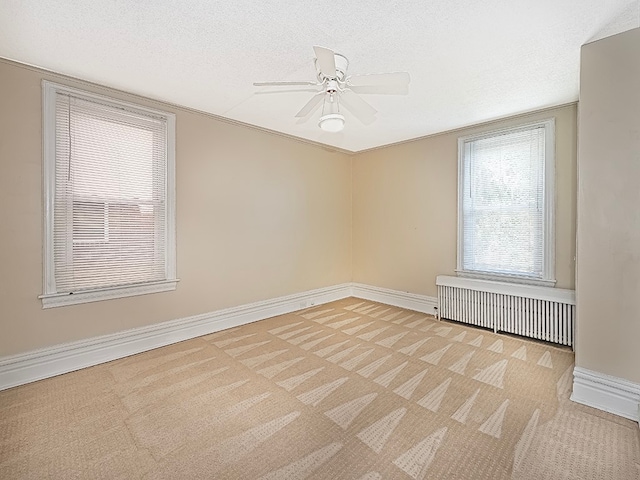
x,y
538,312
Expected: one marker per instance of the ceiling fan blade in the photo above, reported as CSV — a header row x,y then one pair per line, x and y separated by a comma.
x,y
381,89
277,84
360,109
286,90
393,79
311,105
326,61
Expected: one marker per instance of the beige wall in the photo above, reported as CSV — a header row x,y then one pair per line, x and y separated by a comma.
x,y
608,267
258,216
405,207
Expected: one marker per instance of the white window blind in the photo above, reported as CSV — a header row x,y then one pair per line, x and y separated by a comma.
x,y
110,225
504,207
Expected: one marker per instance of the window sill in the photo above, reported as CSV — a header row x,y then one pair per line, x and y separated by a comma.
x,y
52,300
506,278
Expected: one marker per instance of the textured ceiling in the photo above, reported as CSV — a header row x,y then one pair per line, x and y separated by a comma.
x,y
469,61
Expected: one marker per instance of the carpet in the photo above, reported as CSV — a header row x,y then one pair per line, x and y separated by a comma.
x,y
348,390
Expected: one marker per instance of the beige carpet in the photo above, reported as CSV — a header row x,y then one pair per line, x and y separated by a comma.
x,y
352,389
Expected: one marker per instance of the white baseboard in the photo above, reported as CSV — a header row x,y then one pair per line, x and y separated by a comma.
x,y
411,301
604,392
48,362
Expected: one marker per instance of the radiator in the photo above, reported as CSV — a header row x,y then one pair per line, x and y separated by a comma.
x,y
537,312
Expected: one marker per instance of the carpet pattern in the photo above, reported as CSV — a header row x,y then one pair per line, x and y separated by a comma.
x,y
352,389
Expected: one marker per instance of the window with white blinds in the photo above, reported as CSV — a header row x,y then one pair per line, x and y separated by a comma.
x,y
109,181
505,204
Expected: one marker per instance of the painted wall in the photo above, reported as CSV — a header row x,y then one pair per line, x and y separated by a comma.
x,y
608,267
258,216
405,207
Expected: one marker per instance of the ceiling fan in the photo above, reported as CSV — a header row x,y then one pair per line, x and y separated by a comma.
x,y
336,89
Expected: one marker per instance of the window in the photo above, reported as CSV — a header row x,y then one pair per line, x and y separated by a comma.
x,y
109,198
505,204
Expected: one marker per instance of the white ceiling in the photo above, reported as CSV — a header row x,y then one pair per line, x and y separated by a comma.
x,y
469,61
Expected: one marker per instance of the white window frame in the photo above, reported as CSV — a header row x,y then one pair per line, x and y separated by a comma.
x,y
548,275
50,297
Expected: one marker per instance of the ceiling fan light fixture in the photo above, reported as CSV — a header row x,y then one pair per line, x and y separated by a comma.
x,y
332,122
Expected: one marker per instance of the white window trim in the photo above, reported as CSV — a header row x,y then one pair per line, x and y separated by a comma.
x,y
50,297
549,241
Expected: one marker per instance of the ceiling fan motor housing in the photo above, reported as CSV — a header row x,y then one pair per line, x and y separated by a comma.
x,y
341,69
332,87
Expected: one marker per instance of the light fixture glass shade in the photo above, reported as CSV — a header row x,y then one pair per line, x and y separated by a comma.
x,y
332,122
